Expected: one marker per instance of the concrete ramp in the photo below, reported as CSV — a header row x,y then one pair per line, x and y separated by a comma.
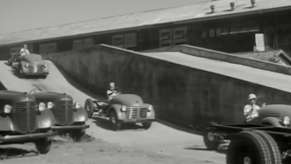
x,y
245,73
185,89
56,81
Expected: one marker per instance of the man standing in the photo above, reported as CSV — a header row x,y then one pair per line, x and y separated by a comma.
x,y
251,109
112,91
24,50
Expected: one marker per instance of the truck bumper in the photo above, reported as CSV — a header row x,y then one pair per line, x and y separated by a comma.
x,y
137,120
70,127
35,73
25,137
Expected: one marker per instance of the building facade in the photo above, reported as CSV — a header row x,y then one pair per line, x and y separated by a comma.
x,y
231,34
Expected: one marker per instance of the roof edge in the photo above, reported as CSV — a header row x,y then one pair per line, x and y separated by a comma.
x,y
260,11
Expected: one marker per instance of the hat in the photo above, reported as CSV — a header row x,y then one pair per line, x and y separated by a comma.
x,y
252,96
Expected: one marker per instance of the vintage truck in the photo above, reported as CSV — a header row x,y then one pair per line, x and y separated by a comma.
x,y
23,121
265,140
69,118
123,108
31,65
14,58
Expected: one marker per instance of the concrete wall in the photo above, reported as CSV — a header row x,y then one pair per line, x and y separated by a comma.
x,y
217,55
179,94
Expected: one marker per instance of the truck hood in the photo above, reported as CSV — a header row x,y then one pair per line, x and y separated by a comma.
x,y
275,110
15,95
127,100
51,96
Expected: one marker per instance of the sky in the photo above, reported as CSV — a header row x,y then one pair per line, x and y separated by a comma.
x,y
19,15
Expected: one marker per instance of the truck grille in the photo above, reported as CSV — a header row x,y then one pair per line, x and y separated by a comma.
x,y
63,112
40,68
25,116
135,113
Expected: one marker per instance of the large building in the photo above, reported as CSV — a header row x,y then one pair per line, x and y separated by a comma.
x,y
225,25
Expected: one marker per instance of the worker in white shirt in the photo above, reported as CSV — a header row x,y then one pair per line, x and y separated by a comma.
x,y
24,50
251,109
112,91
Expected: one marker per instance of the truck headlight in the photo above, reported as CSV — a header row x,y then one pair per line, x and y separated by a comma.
x,y
26,65
77,105
150,108
7,109
45,65
286,120
41,106
50,105
123,109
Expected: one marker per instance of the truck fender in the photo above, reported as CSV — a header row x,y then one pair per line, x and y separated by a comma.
x,y
272,121
45,119
151,114
6,123
116,108
80,115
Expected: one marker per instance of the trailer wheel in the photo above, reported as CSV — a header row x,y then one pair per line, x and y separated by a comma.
x,y
89,106
272,146
248,148
211,141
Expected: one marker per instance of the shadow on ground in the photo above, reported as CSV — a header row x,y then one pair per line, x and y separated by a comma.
x,y
106,124
188,129
10,153
222,148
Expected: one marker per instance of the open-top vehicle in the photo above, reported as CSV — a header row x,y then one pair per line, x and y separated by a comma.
x,y
33,65
265,140
22,121
14,58
123,108
69,118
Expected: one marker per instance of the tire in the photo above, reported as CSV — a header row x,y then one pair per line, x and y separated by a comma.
x,y
272,146
9,62
89,106
78,135
43,145
211,141
248,146
146,125
21,74
44,76
114,120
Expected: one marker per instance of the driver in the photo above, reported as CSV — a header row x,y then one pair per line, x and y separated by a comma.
x,y
24,51
112,91
251,109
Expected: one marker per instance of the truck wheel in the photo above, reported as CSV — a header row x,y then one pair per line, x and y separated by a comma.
x,y
21,74
146,125
114,120
9,62
77,135
248,148
211,141
43,145
89,106
272,146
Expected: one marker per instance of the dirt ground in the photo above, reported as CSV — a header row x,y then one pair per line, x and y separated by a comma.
x,y
89,151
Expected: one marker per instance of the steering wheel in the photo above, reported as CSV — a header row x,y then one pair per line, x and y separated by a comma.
x,y
34,90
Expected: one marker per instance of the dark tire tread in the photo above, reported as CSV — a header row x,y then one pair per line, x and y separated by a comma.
x,y
273,147
248,137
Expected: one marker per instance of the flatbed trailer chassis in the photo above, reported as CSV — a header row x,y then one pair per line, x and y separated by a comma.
x,y
250,143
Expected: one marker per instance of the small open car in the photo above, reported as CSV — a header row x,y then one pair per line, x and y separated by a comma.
x,y
69,118
23,121
123,108
14,58
33,65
